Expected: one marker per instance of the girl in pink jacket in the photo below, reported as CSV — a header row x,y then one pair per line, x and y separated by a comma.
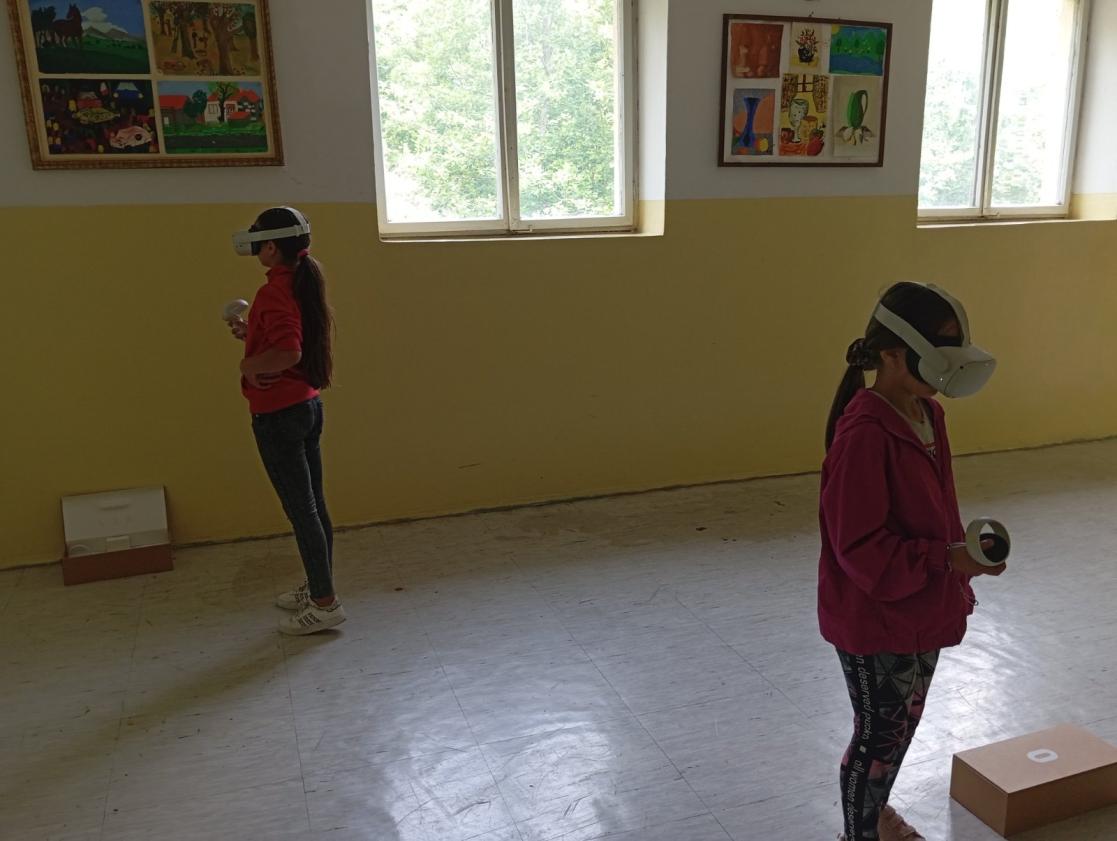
x,y
894,576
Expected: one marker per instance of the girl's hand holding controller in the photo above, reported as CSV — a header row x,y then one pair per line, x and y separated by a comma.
x,y
233,315
961,561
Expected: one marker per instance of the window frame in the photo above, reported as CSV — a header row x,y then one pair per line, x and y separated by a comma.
x,y
996,29
510,223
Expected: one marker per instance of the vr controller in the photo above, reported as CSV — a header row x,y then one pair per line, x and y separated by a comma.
x,y
234,310
986,529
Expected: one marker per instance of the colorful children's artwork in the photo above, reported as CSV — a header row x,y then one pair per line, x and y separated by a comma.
x,y
805,102
88,36
857,110
99,117
205,39
146,83
816,92
858,50
810,47
754,121
200,118
756,50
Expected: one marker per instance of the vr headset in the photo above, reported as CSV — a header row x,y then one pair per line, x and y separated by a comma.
x,y
247,243
954,370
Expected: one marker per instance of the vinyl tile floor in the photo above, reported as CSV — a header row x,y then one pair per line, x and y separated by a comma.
x,y
644,668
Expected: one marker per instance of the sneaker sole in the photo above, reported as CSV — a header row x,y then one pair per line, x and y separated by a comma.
x,y
317,629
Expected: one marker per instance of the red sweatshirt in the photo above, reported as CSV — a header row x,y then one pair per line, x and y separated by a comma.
x,y
275,322
888,512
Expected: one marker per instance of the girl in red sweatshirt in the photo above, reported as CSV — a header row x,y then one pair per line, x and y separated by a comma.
x,y
894,576
287,361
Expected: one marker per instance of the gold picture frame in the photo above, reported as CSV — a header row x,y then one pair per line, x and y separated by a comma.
x,y
137,84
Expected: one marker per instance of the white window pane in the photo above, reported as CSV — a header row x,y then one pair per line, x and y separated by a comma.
x,y
567,100
435,70
952,113
1032,124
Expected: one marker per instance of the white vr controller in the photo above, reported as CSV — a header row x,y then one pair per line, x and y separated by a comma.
x,y
982,529
234,310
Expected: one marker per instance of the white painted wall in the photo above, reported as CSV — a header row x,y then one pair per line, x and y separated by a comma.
x,y
326,113
1096,171
652,56
694,103
325,106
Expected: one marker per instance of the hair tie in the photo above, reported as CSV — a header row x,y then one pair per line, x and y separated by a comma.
x,y
859,356
304,253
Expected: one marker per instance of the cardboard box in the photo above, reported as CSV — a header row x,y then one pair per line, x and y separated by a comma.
x,y
1035,780
144,560
116,534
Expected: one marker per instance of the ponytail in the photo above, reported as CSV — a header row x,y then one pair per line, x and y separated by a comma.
x,y
309,288
860,359
852,382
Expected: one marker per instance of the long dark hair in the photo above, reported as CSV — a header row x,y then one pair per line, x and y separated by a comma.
x,y
309,287
922,308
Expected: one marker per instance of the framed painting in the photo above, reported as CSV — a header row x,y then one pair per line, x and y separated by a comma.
x,y
803,91
117,84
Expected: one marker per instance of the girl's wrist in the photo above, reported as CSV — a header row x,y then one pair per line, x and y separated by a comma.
x,y
950,549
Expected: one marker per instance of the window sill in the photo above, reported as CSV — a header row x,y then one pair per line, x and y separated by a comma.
x,y
649,222
540,237
932,224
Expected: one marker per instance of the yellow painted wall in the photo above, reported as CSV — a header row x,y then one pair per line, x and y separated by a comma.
x,y
491,373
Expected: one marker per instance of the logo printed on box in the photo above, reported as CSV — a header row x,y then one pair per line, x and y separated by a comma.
x,y
1042,757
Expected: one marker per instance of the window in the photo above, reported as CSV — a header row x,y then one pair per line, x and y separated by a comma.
x,y
503,116
1001,113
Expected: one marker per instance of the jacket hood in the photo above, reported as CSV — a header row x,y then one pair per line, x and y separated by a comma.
x,y
870,408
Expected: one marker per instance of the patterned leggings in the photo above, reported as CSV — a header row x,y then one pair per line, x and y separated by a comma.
x,y
888,692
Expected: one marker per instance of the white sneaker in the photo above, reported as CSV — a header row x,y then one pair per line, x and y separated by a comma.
x,y
312,619
295,599
893,827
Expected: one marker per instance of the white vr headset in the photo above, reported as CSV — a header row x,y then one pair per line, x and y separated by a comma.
x,y
959,371
247,243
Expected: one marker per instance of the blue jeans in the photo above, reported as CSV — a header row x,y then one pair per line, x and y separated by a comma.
x,y
288,441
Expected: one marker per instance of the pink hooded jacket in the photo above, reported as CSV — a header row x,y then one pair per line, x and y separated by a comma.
x,y
888,513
